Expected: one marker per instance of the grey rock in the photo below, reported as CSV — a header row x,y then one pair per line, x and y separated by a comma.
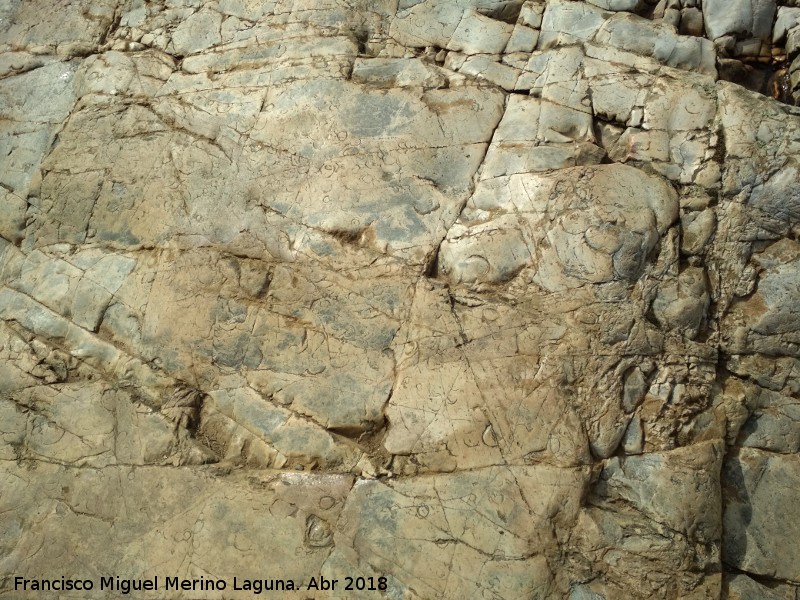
x,y
635,34
523,39
34,105
787,19
672,17
398,72
198,32
617,5
583,247
739,17
770,313
476,34
65,30
773,422
584,592
742,587
427,23
484,67
531,13
474,298
683,304
754,480
635,485
666,485
565,23
85,502
633,440
697,229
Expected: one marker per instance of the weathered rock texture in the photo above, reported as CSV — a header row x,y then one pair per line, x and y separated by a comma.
x,y
496,299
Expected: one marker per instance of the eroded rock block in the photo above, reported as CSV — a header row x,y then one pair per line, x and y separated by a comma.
x,y
571,233
754,481
471,298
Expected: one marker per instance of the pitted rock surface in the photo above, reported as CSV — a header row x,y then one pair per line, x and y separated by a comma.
x,y
490,298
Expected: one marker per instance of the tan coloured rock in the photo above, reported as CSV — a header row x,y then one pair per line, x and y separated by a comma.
x,y
568,238
452,298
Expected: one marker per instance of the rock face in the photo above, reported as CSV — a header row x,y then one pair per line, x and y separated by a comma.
x,y
464,298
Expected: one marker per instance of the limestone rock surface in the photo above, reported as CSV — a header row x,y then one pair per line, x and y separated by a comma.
x,y
490,299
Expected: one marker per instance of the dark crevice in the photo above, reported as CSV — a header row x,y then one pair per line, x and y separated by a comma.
x,y
111,29
650,317
431,270
507,12
768,78
346,236
361,37
184,407
765,580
